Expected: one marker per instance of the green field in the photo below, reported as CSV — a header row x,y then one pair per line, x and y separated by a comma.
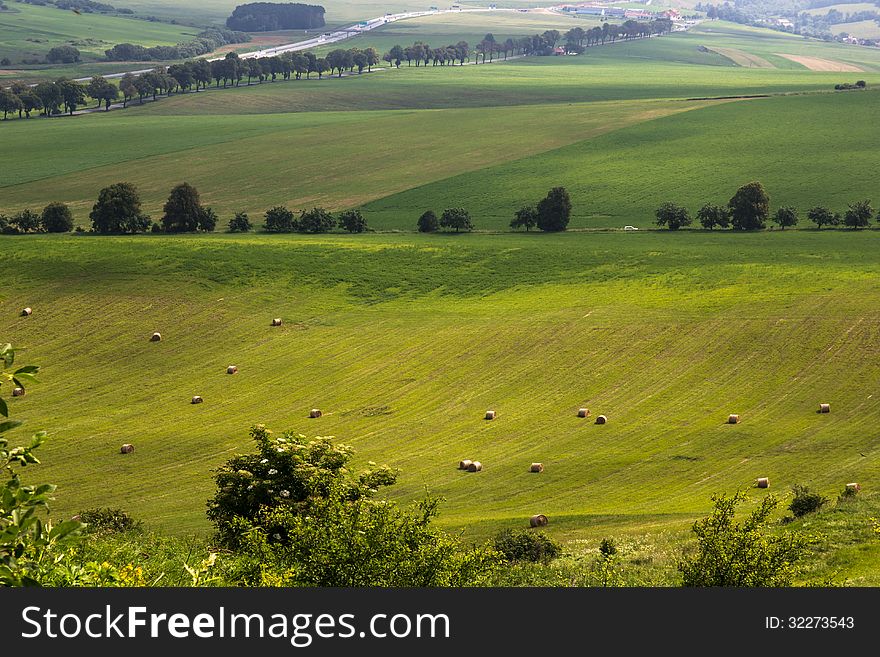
x,y
30,31
860,29
405,341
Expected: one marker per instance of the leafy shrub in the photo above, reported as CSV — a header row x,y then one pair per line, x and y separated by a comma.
x,y
806,501
280,220
240,223
316,220
353,221
523,545
608,547
741,554
672,216
107,520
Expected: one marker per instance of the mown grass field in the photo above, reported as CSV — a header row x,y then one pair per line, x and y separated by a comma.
x,y
405,341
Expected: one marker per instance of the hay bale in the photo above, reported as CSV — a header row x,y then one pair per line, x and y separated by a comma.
x,y
156,337
824,408
536,467
763,482
583,412
18,392
126,449
197,400
26,312
733,419
854,487
232,369
315,412
490,415
277,321
539,520
464,464
475,466
601,419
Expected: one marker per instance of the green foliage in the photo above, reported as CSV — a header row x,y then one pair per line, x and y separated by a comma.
x,y
672,216
741,554
285,472
785,216
524,545
280,220
608,547
456,218
316,220
428,222
858,214
26,221
352,221
749,207
710,216
337,541
184,213
806,501
30,547
118,210
105,520
57,218
240,223
526,217
822,216
554,210
63,55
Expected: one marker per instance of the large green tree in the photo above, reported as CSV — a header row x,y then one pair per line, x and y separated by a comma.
x,y
749,207
858,214
118,210
456,218
554,210
57,218
672,216
183,211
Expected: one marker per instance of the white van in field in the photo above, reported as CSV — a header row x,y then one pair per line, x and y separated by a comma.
x,y
630,228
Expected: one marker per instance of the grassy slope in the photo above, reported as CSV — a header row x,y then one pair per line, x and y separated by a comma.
x,y
791,144
335,159
31,31
405,341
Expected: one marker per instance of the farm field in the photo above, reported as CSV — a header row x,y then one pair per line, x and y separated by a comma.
x,y
406,341
30,31
860,29
843,8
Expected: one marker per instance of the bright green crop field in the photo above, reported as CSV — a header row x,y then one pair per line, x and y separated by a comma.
x,y
405,340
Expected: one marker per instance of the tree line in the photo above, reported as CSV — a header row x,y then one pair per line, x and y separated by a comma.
x,y
749,209
269,16
204,42
118,211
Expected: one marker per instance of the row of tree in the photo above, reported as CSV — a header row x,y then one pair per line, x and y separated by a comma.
x,y
118,210
749,209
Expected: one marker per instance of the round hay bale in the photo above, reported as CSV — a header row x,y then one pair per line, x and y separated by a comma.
x,y
464,464
156,337
277,321
583,412
824,408
26,312
763,482
601,419
315,412
232,369
733,419
854,486
126,449
536,467
475,466
539,520
18,392
197,400
490,415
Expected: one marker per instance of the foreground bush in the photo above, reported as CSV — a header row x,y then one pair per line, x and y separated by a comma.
x,y
741,554
523,545
296,516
